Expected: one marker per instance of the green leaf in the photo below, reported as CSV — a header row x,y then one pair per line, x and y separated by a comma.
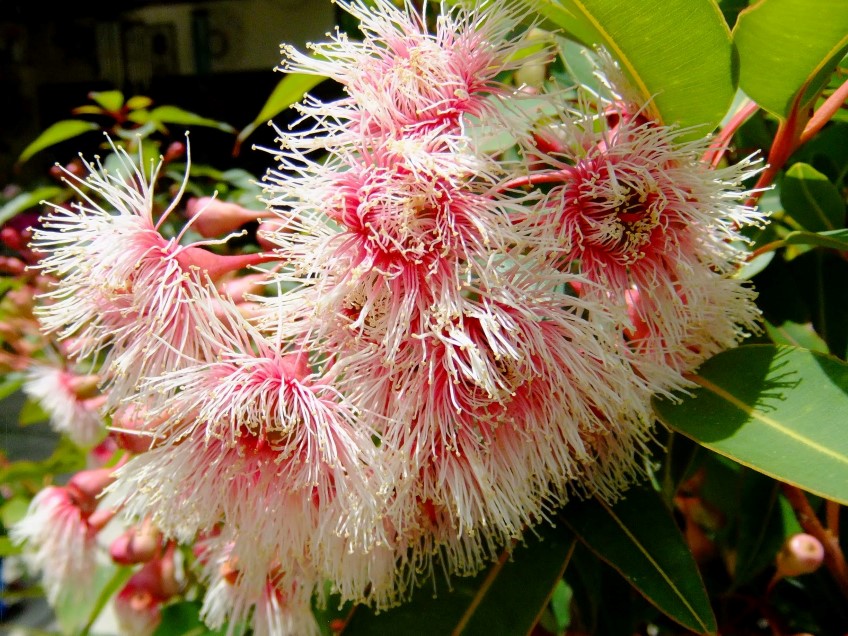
x,y
13,510
7,548
138,102
10,384
834,239
176,115
766,522
288,91
788,49
183,619
677,54
57,133
639,538
508,598
32,413
811,199
796,335
119,576
777,409
110,101
26,200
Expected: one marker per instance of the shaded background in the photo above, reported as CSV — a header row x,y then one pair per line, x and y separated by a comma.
x,y
213,57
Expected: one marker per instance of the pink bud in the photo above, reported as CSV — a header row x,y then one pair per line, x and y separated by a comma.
x,y
216,265
237,288
213,217
137,545
87,485
801,554
265,228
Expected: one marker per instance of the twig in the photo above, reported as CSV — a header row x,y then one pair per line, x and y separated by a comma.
x,y
834,559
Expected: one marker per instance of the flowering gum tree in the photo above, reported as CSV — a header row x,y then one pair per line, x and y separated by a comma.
x,y
462,297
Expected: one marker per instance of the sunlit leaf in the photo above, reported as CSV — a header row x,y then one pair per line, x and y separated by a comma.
x,y
811,199
32,413
176,115
57,133
834,239
639,538
777,409
137,102
676,53
26,200
788,49
111,101
288,91
796,335
7,548
508,598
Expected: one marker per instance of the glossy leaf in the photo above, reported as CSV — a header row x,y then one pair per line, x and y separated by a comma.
x,y
834,239
176,115
110,101
779,410
788,49
796,335
26,200
288,91
677,54
507,598
767,521
639,538
57,133
811,200
183,619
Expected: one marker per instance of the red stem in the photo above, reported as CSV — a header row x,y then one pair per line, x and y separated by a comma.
x,y
834,559
825,112
719,146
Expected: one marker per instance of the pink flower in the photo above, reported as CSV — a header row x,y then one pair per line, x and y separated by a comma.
x,y
639,213
402,80
69,399
59,543
124,288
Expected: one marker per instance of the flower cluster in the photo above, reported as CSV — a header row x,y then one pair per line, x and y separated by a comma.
x,y
444,343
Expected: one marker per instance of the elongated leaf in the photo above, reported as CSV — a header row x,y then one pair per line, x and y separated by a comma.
x,y
27,200
109,100
811,200
779,410
788,49
176,115
676,53
287,92
639,538
57,133
796,335
183,619
834,239
508,598
767,521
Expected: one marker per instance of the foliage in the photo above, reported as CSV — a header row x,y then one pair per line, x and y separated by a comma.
x,y
754,453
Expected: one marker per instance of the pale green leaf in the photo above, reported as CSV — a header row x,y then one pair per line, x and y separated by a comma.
x,y
288,91
57,133
111,101
677,54
833,239
777,409
811,199
176,115
796,335
26,200
788,49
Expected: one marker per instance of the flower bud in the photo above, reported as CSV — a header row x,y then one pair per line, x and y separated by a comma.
x,y
801,554
212,217
137,545
85,487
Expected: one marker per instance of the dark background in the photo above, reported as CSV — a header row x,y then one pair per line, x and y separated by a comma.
x,y
52,56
